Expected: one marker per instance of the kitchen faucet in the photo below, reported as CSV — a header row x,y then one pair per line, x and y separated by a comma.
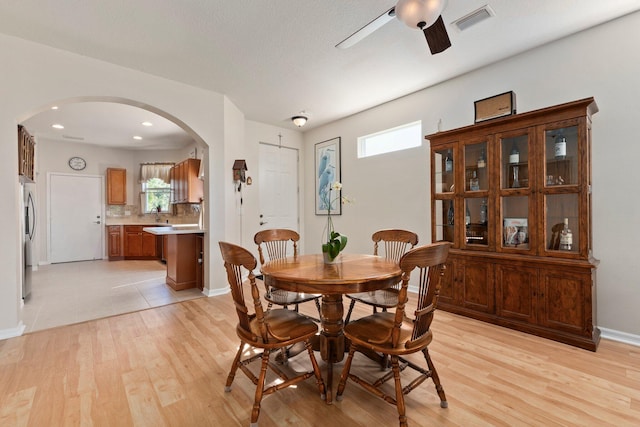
x,y
157,211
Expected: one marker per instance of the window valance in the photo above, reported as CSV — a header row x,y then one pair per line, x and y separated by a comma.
x,y
155,170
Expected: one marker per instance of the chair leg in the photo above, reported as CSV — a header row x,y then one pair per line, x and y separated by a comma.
x,y
345,373
260,388
436,379
384,363
395,366
234,368
316,370
319,309
353,303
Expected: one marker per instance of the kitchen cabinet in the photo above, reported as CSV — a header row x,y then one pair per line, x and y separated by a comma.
x,y
182,261
116,186
186,186
139,244
200,262
501,192
26,154
115,242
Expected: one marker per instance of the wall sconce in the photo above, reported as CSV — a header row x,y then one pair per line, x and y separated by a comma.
x,y
299,120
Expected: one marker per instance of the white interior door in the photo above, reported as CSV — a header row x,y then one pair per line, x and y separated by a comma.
x,y
75,218
278,187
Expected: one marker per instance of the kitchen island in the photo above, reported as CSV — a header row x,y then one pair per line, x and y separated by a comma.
x,y
184,255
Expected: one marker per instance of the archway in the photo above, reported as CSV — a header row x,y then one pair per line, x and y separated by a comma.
x,y
90,100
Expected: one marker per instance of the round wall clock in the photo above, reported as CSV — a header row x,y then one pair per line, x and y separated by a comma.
x,y
77,163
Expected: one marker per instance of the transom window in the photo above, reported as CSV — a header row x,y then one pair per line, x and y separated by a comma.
x,y
394,139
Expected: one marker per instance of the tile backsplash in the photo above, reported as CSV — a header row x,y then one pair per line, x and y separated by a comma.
x,y
181,214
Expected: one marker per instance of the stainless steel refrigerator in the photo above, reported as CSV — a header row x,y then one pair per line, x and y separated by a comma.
x,y
28,237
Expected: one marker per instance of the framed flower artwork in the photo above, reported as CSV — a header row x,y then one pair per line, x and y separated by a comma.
x,y
327,171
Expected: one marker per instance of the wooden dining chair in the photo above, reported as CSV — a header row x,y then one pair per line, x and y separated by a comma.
x,y
264,330
397,334
396,243
276,242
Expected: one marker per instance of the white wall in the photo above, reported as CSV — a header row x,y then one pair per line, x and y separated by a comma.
x,y
392,190
34,77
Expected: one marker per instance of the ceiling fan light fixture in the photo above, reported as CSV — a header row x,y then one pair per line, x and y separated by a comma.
x,y
419,13
299,120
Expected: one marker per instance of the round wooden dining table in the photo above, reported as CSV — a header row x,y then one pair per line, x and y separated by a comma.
x,y
351,273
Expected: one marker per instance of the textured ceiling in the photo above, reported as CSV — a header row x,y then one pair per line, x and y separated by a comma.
x,y
276,58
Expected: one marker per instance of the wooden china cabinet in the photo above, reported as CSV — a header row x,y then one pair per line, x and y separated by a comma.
x,y
501,191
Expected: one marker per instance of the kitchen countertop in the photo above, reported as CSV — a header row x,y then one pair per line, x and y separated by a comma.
x,y
149,221
175,229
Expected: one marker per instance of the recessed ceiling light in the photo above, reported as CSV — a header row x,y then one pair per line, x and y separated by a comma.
x,y
147,124
137,137
55,107
57,126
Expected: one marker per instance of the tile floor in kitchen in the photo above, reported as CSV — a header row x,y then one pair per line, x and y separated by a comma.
x,y
68,293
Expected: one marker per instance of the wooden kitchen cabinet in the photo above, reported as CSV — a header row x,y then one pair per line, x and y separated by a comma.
x,y
115,242
26,154
182,257
139,244
200,262
500,192
116,186
186,186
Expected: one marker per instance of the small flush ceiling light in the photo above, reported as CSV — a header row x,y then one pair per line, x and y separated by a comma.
x,y
138,138
55,107
57,126
147,124
299,120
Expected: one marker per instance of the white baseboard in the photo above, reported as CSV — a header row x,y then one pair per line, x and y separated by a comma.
x,y
13,332
613,335
215,292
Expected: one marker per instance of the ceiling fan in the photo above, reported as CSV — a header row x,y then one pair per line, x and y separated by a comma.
x,y
424,15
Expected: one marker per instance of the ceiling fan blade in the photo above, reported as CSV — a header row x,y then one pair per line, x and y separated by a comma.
x,y
367,29
437,37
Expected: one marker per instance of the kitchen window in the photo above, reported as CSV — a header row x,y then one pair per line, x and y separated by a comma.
x,y
157,195
156,187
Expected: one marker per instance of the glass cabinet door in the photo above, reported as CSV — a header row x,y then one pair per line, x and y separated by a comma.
x,y
515,162
476,165
561,156
562,232
444,219
515,221
443,170
476,221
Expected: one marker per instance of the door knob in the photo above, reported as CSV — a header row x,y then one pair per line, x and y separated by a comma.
x,y
263,222
96,222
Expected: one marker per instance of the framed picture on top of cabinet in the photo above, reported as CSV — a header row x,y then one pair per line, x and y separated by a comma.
x,y
495,106
327,172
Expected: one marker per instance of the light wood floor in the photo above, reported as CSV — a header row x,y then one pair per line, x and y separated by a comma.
x,y
167,366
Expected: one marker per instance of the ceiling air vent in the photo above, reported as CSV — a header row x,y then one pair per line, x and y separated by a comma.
x,y
75,138
474,17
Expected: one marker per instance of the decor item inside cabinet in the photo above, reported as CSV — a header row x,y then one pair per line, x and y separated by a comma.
x,y
116,186
514,195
